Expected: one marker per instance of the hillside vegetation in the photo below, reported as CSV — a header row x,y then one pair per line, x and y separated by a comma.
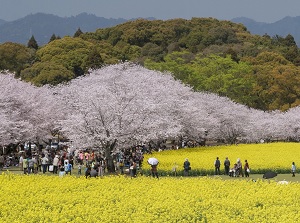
x,y
208,54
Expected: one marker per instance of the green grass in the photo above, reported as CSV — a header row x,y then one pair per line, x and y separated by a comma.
x,y
279,177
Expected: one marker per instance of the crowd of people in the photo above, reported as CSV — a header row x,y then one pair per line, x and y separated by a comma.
x,y
237,170
93,163
64,162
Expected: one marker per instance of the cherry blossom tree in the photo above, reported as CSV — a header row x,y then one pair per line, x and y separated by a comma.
x,y
222,118
291,122
27,112
121,105
124,104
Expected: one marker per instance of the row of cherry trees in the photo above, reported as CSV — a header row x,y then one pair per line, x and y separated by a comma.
x,y
123,104
27,113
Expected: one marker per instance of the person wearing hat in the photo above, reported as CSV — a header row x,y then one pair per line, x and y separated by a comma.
x,y
55,164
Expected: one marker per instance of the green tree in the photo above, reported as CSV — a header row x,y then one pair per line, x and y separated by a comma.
x,y
233,54
42,73
67,57
178,63
77,33
32,43
217,74
290,41
52,38
15,57
71,53
277,82
224,77
153,52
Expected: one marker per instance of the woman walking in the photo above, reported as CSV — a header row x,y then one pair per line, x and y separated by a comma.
x,y
293,169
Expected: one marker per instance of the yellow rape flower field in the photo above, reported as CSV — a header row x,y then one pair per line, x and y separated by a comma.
x,y
44,198
277,157
38,198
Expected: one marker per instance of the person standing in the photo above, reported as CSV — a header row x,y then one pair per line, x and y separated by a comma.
x,y
239,168
174,169
30,165
227,166
79,169
35,164
20,162
39,161
121,166
2,160
133,168
87,171
293,169
61,171
100,169
55,164
81,157
217,166
154,171
44,161
186,167
246,169
68,167
25,165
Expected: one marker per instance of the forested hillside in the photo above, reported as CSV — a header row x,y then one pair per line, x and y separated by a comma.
x,y
205,53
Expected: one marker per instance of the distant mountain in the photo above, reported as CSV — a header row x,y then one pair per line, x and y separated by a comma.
x,y
2,22
283,27
43,26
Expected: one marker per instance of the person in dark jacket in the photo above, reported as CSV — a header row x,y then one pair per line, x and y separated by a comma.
x,y
186,167
246,168
227,166
217,166
88,171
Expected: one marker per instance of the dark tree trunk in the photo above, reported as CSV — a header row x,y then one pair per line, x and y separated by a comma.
x,y
109,158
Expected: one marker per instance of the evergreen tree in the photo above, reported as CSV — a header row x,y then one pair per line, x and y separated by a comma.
x,y
52,38
32,43
78,33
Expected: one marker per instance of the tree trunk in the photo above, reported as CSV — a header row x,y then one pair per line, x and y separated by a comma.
x,y
109,158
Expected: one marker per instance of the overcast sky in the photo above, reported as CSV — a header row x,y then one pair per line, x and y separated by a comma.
x,y
259,10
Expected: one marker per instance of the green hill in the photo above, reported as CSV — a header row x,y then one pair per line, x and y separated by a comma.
x,y
208,54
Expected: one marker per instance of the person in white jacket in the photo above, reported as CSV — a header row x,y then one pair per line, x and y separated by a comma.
x,y
55,164
44,161
293,169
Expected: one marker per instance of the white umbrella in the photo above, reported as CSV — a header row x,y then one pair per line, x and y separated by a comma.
x,y
153,161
